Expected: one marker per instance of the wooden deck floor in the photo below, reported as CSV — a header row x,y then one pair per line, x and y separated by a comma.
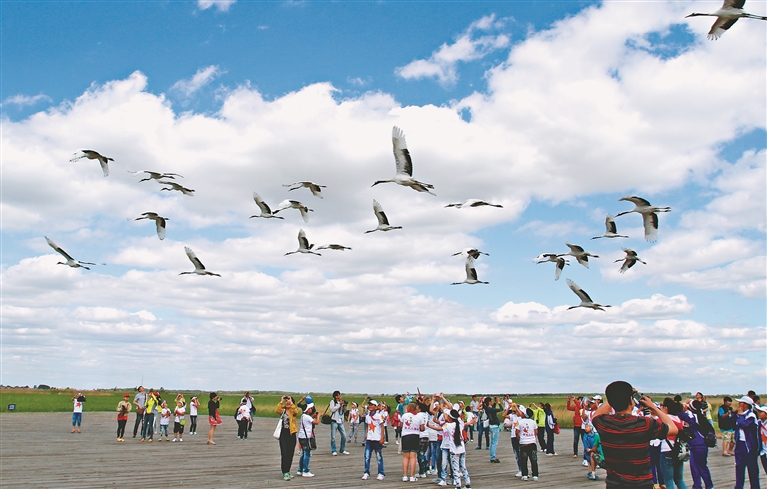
x,y
37,450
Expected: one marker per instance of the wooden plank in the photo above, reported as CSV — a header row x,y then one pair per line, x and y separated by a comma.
x,y
37,450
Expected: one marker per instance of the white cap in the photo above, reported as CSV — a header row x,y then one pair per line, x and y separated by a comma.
x,y
746,399
598,397
373,402
760,408
308,406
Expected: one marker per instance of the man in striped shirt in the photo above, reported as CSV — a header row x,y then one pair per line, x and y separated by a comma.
x,y
626,438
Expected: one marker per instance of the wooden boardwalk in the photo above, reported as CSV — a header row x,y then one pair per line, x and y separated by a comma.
x,y
37,450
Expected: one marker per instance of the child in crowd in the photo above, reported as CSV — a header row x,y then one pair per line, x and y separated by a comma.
x,y
164,421
354,422
592,447
123,408
178,420
194,404
243,420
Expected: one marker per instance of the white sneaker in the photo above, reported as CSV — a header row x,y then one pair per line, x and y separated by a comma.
x,y
180,439
345,452
397,442
380,477
335,453
365,477
299,473
308,474
585,463
524,477
535,478
412,479
442,483
404,478
518,474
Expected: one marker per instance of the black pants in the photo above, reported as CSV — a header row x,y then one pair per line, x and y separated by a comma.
x,y
192,424
287,449
529,452
577,435
121,427
139,422
542,437
242,428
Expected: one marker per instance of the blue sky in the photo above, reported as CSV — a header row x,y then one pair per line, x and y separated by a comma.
x,y
553,109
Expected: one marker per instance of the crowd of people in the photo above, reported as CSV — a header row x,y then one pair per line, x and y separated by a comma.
x,y
640,443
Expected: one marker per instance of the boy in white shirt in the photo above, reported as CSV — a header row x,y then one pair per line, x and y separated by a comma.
x,y
374,437
527,432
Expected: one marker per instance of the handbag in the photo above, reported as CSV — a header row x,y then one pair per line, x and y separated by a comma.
x,y
278,429
326,419
309,443
556,427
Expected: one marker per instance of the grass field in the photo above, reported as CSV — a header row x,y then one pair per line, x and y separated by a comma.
x,y
60,400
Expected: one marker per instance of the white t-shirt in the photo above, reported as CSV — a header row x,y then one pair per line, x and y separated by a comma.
x,y
354,416
192,409
180,411
431,433
514,423
424,420
527,429
164,417
243,412
411,424
305,430
373,426
474,406
385,417
78,406
448,433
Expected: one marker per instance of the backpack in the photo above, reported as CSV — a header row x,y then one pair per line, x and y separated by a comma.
x,y
710,439
680,451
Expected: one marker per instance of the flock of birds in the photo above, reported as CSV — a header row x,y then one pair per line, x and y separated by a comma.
x,y
403,176
726,16
649,214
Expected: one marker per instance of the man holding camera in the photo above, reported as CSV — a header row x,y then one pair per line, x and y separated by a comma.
x,y
626,438
337,409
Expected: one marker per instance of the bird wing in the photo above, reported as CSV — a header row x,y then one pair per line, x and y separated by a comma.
x,y
401,154
629,252
58,249
471,272
149,215
261,204
627,263
575,248
733,4
638,201
610,224
193,258
379,212
104,166
316,189
579,291
721,25
171,175
650,226
302,241
304,214
160,222
560,266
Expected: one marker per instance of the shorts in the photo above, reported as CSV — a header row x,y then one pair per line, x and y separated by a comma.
x,y
410,443
728,436
77,418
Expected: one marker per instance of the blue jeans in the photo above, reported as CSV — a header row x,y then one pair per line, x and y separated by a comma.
x,y
340,427
458,463
147,431
371,446
550,440
434,454
305,458
494,432
163,429
77,418
673,474
445,461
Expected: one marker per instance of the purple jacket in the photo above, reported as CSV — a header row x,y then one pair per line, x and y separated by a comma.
x,y
698,440
747,423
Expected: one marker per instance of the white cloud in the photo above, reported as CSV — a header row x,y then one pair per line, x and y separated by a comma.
x,y
443,63
26,100
200,79
221,5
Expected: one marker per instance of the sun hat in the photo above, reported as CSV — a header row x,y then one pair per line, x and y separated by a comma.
x,y
309,406
372,402
598,397
746,399
760,408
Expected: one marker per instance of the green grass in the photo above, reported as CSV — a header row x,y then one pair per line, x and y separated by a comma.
x,y
60,400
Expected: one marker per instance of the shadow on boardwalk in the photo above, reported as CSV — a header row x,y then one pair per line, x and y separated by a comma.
x,y
37,450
